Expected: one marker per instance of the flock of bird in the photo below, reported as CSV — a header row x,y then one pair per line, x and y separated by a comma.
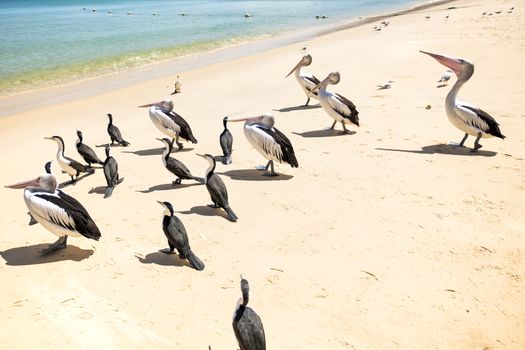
x,y
64,216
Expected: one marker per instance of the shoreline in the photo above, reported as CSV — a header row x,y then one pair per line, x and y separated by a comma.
x,y
45,96
385,237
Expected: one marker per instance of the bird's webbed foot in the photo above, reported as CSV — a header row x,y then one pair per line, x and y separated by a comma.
x,y
176,182
166,251
213,205
61,243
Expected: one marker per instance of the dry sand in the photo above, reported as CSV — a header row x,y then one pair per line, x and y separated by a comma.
x,y
382,239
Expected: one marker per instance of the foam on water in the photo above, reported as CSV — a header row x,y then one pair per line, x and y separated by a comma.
x,y
57,41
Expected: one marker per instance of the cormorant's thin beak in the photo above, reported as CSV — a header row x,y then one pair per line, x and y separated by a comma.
x,y
24,184
161,204
294,68
151,104
452,63
48,138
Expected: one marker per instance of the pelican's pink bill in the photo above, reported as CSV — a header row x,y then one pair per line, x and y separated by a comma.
x,y
452,63
24,184
151,104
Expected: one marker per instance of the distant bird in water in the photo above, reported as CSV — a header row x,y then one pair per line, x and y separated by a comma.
x,y
170,123
87,152
178,237
466,117
58,212
386,85
178,86
69,165
269,141
217,189
175,166
247,325
337,106
111,173
226,140
114,133
306,80
445,78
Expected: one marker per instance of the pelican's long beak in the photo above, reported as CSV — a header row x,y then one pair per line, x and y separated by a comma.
x,y
452,63
321,83
24,184
151,104
294,68
259,117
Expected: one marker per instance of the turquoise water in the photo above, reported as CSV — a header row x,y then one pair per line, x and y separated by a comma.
x,y
51,42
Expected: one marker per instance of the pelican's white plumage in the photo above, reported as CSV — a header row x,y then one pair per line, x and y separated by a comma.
x,y
306,80
58,212
268,140
169,122
466,117
337,106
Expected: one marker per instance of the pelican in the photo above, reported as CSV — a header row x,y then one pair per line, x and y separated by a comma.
x,y
338,107
169,122
69,165
114,133
178,237
58,212
445,78
247,325
306,80
87,152
226,140
268,141
178,86
111,173
217,189
466,117
175,166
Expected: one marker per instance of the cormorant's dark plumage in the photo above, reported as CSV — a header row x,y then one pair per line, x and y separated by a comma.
x,y
178,237
226,140
114,133
217,189
87,152
247,325
111,173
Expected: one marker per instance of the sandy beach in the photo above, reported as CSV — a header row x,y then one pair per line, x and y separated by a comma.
x,y
384,238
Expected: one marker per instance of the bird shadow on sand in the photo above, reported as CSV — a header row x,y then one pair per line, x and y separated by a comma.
x,y
71,183
324,133
205,210
169,186
297,108
254,175
112,145
441,85
156,151
162,259
444,149
32,255
98,190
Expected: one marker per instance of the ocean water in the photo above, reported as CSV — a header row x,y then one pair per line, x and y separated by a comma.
x,y
56,41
